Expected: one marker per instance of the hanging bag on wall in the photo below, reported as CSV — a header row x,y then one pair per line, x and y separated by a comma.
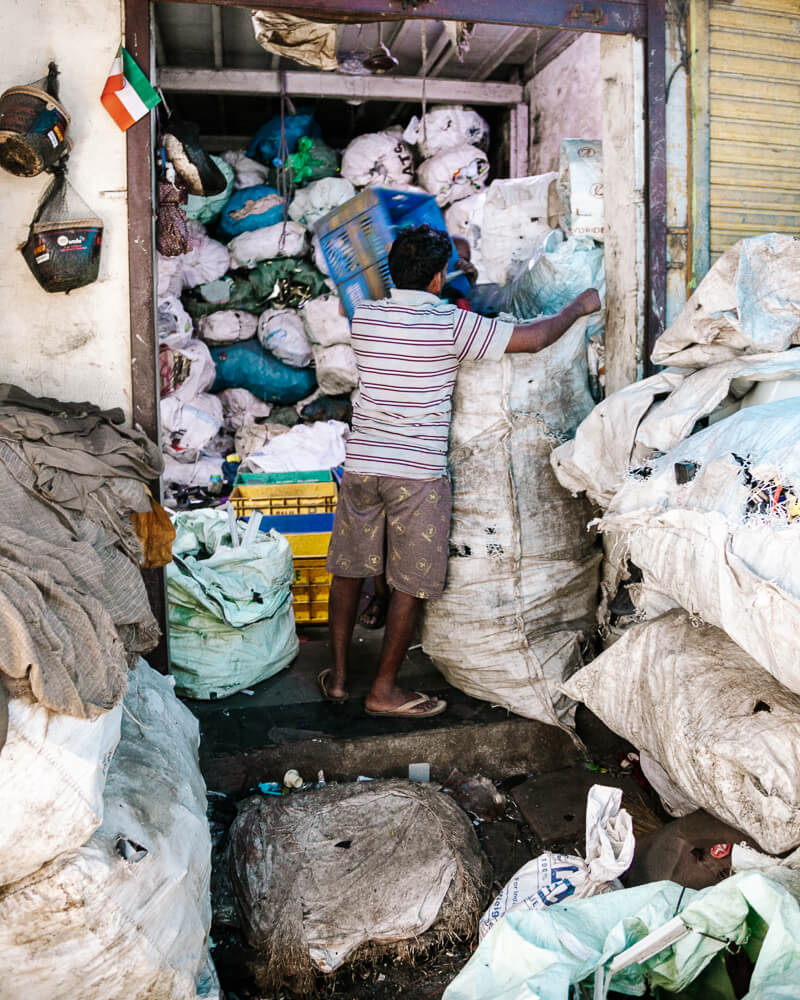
x,y
63,246
33,127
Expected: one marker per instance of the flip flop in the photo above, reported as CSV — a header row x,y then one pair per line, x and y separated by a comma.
x,y
323,687
376,610
405,711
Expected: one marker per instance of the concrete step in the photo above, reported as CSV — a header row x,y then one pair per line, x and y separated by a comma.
x,y
285,723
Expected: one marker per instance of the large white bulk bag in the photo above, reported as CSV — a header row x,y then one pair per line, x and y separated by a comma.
x,y
444,128
455,173
725,545
127,914
284,239
378,158
748,302
281,332
320,197
723,730
52,775
523,570
324,321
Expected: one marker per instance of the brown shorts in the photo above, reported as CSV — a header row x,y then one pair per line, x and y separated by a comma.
x,y
414,517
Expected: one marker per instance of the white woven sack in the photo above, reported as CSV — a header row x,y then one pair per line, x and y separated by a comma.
x,y
313,202
246,172
445,128
281,332
284,239
175,325
700,548
127,914
324,322
227,326
206,261
337,369
378,158
240,408
188,425
52,775
454,174
723,730
202,370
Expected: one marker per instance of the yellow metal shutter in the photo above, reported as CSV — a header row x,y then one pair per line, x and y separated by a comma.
x,y
754,119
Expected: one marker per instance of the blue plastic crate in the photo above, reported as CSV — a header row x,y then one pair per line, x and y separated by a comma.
x,y
356,238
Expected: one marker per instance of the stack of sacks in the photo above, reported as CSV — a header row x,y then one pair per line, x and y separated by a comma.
x,y
378,159
329,332
232,340
449,140
697,472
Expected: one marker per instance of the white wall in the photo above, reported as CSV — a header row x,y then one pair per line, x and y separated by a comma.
x,y
74,346
566,101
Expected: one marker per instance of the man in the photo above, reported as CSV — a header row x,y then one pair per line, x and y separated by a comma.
x,y
395,485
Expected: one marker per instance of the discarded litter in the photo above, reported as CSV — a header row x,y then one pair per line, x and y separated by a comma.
x,y
476,795
419,772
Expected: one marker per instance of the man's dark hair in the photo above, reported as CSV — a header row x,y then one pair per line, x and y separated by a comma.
x,y
418,254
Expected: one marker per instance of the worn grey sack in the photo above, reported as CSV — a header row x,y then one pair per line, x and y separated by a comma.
x,y
347,873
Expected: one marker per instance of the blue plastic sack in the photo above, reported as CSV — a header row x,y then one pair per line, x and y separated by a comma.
x,y
248,209
266,143
247,365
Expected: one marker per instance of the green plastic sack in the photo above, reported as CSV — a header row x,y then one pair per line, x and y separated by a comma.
x,y
312,160
543,954
230,608
206,210
286,283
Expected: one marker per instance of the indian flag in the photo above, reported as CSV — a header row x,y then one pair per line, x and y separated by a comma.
x,y
127,95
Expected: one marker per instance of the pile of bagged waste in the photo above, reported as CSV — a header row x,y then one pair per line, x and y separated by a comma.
x,y
696,475
253,345
104,846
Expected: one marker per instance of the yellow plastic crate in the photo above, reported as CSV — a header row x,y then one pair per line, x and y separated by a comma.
x,y
311,590
284,498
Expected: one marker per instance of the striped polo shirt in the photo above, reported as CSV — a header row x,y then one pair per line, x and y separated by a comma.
x,y
408,348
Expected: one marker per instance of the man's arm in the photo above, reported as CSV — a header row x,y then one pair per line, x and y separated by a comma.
x,y
532,337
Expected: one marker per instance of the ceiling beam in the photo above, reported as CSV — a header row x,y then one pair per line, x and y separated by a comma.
x,y
513,39
334,85
615,16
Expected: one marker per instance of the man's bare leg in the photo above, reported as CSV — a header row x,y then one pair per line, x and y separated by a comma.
x,y
374,615
345,593
401,619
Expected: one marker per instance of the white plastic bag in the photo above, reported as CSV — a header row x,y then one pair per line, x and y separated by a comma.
x,y
52,775
378,158
284,239
320,197
247,172
188,425
749,302
201,370
305,447
323,321
518,215
175,326
281,332
227,326
337,369
127,914
170,275
198,472
240,407
444,128
455,173
206,261
724,731
553,878
580,185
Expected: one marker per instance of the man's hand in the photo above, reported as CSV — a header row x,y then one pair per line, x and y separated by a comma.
x,y
589,302
468,268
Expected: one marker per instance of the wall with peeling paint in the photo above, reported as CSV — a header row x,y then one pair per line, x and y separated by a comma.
x,y
73,346
566,102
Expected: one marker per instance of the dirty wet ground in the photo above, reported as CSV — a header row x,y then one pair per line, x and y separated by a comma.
x,y
285,723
